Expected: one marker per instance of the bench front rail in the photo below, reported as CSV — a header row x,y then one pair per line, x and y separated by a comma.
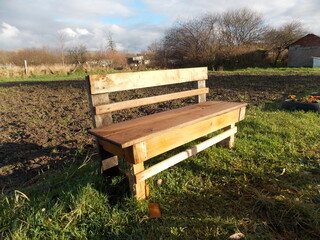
x,y
141,139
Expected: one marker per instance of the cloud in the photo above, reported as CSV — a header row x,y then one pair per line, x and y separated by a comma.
x,y
82,31
68,32
8,31
133,24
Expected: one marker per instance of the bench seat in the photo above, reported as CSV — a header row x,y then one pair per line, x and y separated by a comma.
x,y
157,133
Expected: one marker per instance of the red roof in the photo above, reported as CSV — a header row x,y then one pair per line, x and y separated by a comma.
x,y
309,40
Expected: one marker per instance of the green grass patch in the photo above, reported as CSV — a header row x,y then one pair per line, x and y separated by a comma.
x,y
267,187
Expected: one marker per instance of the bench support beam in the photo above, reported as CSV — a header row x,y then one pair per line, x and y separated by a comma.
x,y
159,167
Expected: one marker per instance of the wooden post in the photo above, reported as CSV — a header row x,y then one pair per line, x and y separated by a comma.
x,y
228,142
108,161
25,67
138,189
202,97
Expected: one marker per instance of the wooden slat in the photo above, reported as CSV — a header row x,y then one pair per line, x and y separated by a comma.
x,y
134,80
165,164
149,100
179,136
169,140
137,130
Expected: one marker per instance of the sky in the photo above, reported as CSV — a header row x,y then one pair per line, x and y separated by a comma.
x,y
132,24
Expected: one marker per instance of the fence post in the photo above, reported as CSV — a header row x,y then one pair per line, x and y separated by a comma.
x,y
25,67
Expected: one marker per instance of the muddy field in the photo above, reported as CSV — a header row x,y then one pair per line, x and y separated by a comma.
x,y
44,126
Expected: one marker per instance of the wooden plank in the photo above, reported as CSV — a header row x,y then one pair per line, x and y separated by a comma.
x,y
134,80
149,100
138,130
183,135
201,97
165,164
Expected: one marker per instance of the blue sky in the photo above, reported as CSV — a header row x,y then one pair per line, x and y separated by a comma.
x,y
133,24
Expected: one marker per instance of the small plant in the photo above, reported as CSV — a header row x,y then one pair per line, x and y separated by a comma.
x,y
307,99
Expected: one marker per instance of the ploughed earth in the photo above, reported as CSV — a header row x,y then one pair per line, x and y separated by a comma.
x,y
44,125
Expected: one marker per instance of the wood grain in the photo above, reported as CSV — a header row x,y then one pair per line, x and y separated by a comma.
x,y
138,130
134,80
108,160
201,97
107,108
138,189
179,136
165,164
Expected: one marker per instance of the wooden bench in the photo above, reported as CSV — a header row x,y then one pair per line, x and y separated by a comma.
x,y
140,139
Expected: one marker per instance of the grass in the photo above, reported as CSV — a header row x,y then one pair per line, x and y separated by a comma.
x,y
42,78
77,75
267,187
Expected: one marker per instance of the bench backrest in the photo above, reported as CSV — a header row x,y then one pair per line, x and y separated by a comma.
x,y
99,87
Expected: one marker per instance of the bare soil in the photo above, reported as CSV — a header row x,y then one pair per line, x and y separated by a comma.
x,y
43,125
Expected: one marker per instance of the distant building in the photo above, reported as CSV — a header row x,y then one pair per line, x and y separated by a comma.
x,y
316,62
303,51
138,61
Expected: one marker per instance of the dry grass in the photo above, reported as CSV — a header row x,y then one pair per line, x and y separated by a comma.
x,y
41,70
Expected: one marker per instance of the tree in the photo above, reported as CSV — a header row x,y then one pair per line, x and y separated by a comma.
x,y
78,55
242,26
111,45
157,54
277,39
61,46
191,42
34,56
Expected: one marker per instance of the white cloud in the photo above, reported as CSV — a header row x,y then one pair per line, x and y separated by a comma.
x,y
133,24
82,31
8,31
68,32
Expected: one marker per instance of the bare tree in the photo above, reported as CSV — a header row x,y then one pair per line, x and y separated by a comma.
x,y
61,46
277,39
34,56
157,54
192,42
78,55
242,26
111,45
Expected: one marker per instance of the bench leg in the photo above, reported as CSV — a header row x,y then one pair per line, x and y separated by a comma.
x,y
109,162
228,142
137,189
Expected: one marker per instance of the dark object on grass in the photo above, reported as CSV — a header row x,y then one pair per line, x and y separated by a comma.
x,y
294,105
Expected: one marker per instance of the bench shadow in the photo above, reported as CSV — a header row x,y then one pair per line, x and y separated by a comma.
x,y
21,162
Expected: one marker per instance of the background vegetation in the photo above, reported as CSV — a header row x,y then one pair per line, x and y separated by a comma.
x,y
231,40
